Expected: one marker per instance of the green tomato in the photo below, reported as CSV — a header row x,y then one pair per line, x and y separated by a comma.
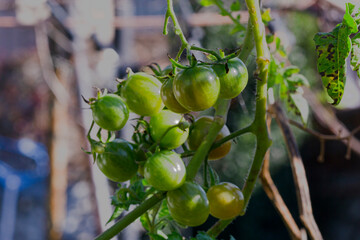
x,y
160,124
233,82
200,130
196,88
188,205
165,170
110,112
141,92
226,200
117,162
168,97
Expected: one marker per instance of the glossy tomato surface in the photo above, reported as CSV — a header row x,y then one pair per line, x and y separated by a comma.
x,y
168,97
165,170
163,123
118,161
110,112
226,200
199,131
233,82
196,88
141,92
188,205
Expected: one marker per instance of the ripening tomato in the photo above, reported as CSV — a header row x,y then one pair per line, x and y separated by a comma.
x,y
196,88
165,170
110,112
117,162
199,131
233,82
141,92
163,123
226,200
188,205
168,97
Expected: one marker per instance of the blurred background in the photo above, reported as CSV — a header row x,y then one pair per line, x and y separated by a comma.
x,y
54,51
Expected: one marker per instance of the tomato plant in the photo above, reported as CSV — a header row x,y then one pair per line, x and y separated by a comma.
x,y
168,97
117,162
109,112
165,130
188,205
165,170
226,200
196,88
198,132
233,78
141,92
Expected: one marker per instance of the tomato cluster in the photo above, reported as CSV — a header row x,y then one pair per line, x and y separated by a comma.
x,y
164,103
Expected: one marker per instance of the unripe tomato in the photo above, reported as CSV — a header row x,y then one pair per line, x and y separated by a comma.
x,y
141,92
188,205
159,125
165,170
226,200
168,97
118,161
110,112
234,81
196,88
199,131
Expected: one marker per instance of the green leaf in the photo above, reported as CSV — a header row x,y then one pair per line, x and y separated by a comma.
x,y
269,38
273,68
298,104
232,238
297,80
117,212
156,236
206,3
203,236
290,70
237,28
235,6
144,222
174,236
332,50
266,16
355,54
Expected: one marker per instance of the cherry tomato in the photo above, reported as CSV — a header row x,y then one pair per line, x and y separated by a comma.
x,y
226,200
118,161
110,112
168,97
165,170
159,125
196,88
141,92
234,81
188,205
199,131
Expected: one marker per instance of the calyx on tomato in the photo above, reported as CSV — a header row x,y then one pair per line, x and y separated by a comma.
x,y
232,80
109,112
199,131
141,92
117,162
196,88
163,129
165,170
226,200
188,205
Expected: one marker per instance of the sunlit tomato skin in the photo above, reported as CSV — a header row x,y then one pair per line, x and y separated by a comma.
x,y
234,81
199,131
159,125
118,161
165,170
188,205
141,92
226,200
168,97
110,112
196,88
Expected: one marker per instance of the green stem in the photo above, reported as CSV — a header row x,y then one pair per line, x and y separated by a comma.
x,y
132,216
232,136
248,44
215,54
200,154
258,126
220,5
170,13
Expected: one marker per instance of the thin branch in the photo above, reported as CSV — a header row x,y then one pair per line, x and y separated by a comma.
x,y
301,184
276,199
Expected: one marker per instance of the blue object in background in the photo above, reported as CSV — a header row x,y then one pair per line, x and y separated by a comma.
x,y
22,163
